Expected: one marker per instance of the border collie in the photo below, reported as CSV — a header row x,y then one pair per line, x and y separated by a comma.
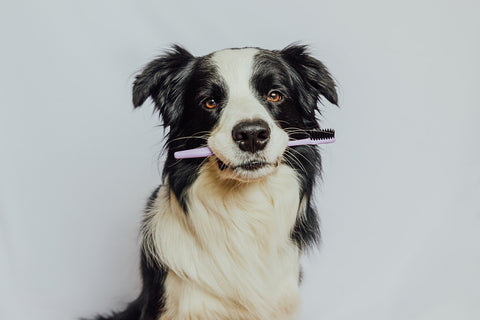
x,y
223,235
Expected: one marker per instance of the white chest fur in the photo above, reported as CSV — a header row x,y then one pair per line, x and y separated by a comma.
x,y
231,257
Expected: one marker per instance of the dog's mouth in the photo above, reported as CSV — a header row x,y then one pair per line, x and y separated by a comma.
x,y
242,166
248,166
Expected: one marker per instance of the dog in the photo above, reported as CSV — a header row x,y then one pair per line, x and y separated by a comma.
x,y
223,235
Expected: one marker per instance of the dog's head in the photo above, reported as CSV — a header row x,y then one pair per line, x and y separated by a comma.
x,y
245,104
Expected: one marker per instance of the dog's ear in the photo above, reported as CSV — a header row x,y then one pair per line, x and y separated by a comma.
x,y
314,75
162,80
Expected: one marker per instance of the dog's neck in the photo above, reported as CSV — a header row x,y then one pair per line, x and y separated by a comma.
x,y
256,208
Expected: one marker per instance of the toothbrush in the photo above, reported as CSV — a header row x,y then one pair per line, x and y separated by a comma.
x,y
323,136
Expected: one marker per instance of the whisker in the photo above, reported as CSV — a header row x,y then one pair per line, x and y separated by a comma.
x,y
297,161
304,156
202,136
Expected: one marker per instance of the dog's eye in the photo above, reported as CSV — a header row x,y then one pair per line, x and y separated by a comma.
x,y
274,96
210,103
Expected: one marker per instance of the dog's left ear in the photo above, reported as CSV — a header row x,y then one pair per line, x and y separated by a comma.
x,y
314,75
161,80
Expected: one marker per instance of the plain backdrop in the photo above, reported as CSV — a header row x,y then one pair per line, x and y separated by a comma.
x,y
400,197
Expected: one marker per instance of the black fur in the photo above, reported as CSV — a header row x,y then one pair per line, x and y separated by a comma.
x,y
303,80
178,83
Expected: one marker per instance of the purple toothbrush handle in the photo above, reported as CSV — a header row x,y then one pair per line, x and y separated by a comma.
x,y
206,152
193,153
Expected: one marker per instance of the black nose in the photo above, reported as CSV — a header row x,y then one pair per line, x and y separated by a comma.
x,y
252,135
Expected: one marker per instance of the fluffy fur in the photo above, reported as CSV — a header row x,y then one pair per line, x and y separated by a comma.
x,y
222,236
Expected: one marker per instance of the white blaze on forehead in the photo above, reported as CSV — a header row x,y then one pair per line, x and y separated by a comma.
x,y
235,66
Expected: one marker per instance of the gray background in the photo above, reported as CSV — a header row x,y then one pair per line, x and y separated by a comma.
x,y
400,200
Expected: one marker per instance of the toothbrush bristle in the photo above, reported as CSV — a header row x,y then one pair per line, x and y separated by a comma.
x,y
322,134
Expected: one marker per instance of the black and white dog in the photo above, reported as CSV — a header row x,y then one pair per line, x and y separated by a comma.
x,y
223,235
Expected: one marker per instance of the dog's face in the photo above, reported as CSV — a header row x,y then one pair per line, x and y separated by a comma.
x,y
246,140
245,104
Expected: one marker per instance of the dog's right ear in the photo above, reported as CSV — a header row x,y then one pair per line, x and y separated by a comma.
x,y
161,80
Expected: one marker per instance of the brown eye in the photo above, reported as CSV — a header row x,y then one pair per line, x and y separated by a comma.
x,y
274,96
210,104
